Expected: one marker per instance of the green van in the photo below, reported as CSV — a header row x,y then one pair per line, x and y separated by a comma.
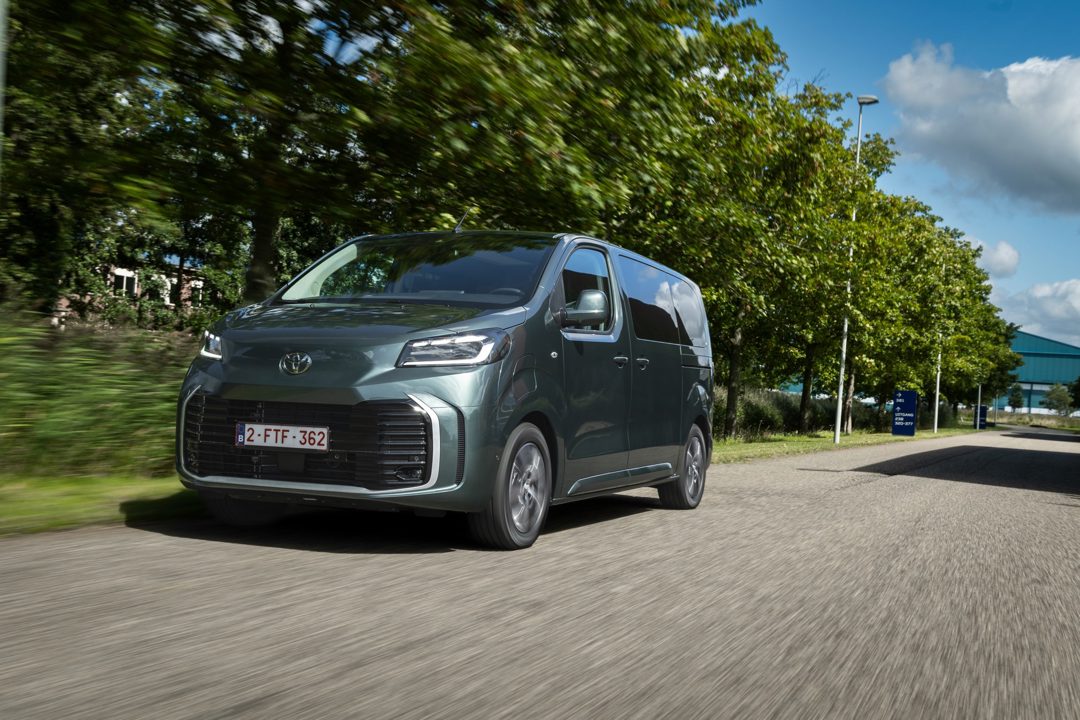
x,y
490,373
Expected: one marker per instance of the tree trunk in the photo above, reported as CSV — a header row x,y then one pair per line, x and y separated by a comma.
x,y
260,275
849,399
179,286
805,411
734,382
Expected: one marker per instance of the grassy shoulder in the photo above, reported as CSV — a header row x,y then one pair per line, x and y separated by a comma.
x,y
781,445
35,504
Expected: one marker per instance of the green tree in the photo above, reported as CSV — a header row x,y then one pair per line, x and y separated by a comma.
x,y
1016,397
66,115
1074,392
1058,400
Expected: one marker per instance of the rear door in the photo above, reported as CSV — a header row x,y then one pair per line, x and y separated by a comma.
x,y
655,423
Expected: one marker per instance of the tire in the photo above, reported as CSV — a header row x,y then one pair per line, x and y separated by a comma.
x,y
243,513
521,495
685,492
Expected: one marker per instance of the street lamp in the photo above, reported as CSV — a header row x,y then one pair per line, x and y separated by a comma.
x,y
937,382
863,100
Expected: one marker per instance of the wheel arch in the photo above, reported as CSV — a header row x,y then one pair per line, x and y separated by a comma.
x,y
702,423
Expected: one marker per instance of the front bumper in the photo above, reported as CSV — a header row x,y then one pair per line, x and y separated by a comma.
x,y
407,451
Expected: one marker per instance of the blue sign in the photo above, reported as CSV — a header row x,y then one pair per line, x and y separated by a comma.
x,y
980,418
905,402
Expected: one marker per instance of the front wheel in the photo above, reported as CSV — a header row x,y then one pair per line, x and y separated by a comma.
x,y
684,493
519,501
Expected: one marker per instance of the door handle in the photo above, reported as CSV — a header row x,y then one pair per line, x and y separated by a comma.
x,y
620,360
642,362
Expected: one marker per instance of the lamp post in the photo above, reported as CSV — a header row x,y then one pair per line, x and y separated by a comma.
x,y
937,382
863,100
937,385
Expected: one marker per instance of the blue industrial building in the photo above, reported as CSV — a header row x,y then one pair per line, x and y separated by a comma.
x,y
1046,363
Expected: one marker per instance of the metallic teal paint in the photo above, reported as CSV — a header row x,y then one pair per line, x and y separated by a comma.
x,y
573,387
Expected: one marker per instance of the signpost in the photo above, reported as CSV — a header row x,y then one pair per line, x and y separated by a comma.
x,y
905,402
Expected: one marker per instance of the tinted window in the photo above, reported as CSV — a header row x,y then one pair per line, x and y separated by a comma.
x,y
587,269
690,315
652,307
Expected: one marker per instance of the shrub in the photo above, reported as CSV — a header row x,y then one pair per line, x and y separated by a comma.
x,y
86,400
761,416
763,412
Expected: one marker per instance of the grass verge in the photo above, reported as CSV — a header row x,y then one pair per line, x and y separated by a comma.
x,y
34,504
781,445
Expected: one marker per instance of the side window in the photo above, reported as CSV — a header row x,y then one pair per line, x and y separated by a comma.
x,y
652,307
691,315
587,269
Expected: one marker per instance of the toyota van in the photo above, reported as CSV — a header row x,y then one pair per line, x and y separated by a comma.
x,y
490,373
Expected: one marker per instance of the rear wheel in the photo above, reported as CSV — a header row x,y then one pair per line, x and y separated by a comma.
x,y
685,492
521,496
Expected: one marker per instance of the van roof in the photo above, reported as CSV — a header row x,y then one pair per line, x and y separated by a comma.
x,y
535,236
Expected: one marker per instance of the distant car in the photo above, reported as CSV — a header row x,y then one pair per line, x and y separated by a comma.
x,y
489,373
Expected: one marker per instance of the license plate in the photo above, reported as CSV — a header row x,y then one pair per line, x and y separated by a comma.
x,y
293,437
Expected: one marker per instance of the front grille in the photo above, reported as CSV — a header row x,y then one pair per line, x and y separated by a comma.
x,y
380,445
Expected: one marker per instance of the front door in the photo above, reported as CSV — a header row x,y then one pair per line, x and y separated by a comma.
x,y
596,377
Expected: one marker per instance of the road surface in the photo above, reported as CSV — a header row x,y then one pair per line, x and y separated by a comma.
x,y
933,579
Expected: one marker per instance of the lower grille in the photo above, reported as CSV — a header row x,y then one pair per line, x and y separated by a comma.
x,y
382,445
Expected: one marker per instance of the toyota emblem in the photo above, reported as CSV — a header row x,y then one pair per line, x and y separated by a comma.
x,y
295,363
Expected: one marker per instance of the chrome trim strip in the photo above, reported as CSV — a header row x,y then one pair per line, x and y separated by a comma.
x,y
629,475
436,442
323,489
311,489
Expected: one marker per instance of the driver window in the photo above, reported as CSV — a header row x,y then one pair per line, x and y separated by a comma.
x,y
587,269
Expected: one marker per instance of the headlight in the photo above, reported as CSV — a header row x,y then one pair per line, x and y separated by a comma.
x,y
475,348
211,345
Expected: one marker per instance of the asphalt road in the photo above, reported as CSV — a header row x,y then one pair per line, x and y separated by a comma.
x,y
934,579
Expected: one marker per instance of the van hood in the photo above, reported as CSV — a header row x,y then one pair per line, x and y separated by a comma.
x,y
348,345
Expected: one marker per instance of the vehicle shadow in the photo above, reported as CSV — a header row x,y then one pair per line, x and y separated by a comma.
x,y
357,531
596,510
1056,436
1024,469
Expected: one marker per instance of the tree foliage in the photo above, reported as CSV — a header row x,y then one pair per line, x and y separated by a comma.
x,y
243,138
1058,400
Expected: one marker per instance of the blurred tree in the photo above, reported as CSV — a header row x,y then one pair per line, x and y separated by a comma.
x,y
269,97
1074,393
66,115
1016,397
1058,400
233,135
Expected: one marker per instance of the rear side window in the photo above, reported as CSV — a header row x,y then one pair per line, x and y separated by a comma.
x,y
652,306
690,314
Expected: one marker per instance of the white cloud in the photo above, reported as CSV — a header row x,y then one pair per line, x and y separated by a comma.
x,y
1000,261
1048,309
1014,129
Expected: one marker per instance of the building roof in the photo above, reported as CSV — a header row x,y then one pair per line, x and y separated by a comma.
x,y
1045,360
1026,343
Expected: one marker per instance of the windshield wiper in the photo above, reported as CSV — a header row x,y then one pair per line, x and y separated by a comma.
x,y
333,300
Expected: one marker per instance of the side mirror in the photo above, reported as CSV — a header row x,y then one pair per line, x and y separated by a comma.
x,y
592,309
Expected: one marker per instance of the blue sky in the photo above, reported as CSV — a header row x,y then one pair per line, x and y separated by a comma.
x,y
983,99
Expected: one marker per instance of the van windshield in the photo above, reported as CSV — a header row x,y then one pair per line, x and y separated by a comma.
x,y
474,270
